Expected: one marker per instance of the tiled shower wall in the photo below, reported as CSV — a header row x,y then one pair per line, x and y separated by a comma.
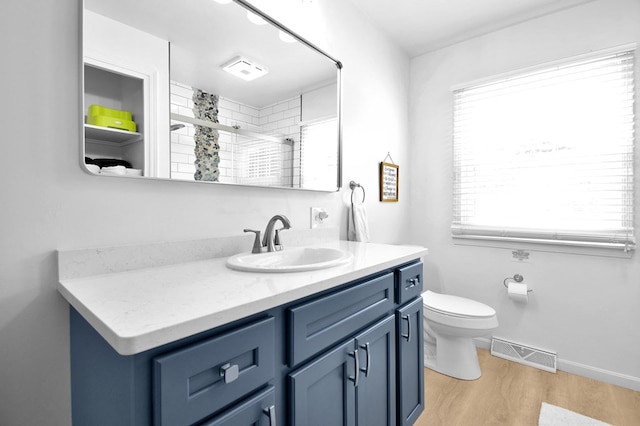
x,y
243,160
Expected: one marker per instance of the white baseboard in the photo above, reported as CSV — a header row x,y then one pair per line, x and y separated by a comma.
x,y
582,370
595,373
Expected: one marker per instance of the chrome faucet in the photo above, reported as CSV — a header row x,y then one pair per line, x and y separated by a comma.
x,y
271,238
270,241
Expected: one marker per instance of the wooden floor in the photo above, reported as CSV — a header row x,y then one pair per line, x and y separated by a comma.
x,y
511,394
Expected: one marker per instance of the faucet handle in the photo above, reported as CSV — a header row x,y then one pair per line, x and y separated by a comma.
x,y
276,240
257,243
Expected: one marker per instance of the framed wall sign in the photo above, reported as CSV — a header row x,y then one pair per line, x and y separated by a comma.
x,y
389,174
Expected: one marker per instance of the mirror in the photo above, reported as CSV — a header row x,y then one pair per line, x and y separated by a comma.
x,y
207,91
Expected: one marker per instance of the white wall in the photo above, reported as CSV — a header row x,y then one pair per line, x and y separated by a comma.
x,y
48,203
586,308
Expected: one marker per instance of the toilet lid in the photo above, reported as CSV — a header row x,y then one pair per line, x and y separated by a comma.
x,y
456,306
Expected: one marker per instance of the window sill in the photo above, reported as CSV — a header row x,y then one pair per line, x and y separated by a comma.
x,y
549,246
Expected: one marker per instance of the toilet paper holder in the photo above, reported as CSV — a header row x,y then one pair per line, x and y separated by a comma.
x,y
517,278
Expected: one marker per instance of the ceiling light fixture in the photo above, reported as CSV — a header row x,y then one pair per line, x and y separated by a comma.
x,y
244,68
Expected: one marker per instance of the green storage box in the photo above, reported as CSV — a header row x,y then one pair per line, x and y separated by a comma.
x,y
108,117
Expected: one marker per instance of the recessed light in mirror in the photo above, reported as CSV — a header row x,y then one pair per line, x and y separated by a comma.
x,y
287,38
258,20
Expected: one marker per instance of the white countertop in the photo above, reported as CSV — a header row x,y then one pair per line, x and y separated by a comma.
x,y
141,309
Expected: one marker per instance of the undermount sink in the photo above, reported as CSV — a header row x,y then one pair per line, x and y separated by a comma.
x,y
290,260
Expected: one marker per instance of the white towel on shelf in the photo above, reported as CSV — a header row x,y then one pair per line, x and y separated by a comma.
x,y
358,225
114,170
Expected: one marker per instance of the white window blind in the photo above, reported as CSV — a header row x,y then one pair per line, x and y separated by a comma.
x,y
262,162
548,156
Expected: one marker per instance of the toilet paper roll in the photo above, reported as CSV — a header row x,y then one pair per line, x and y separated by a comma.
x,y
518,292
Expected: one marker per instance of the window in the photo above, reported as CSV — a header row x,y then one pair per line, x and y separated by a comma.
x,y
262,161
548,155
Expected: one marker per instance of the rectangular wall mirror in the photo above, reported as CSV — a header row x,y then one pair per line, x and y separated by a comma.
x,y
207,91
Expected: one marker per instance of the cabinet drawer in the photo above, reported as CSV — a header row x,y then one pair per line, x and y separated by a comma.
x,y
324,322
196,381
409,282
254,411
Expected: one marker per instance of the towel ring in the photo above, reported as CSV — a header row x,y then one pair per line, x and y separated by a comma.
x,y
353,186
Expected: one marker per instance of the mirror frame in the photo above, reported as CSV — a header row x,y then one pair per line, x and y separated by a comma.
x,y
271,21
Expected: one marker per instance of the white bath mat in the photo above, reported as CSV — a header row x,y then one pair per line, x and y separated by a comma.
x,y
550,415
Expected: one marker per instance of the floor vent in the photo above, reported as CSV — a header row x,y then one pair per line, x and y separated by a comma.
x,y
526,355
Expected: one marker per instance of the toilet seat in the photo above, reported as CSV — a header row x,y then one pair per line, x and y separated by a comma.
x,y
455,306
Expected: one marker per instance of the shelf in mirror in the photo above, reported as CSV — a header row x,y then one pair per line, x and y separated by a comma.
x,y
110,135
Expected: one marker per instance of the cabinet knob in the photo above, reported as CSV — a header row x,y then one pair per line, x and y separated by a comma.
x,y
229,372
413,282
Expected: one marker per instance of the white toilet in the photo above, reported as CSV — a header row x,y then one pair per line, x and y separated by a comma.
x,y
450,324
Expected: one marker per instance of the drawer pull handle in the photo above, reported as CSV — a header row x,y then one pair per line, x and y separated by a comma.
x,y
271,413
413,282
229,372
355,378
408,335
367,369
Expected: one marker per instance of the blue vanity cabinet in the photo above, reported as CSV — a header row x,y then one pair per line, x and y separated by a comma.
x,y
351,355
358,382
352,384
410,362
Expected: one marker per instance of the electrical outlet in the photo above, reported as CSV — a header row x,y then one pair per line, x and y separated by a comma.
x,y
319,217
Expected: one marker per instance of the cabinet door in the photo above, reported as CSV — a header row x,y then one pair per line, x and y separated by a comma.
x,y
376,391
410,362
323,391
255,411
